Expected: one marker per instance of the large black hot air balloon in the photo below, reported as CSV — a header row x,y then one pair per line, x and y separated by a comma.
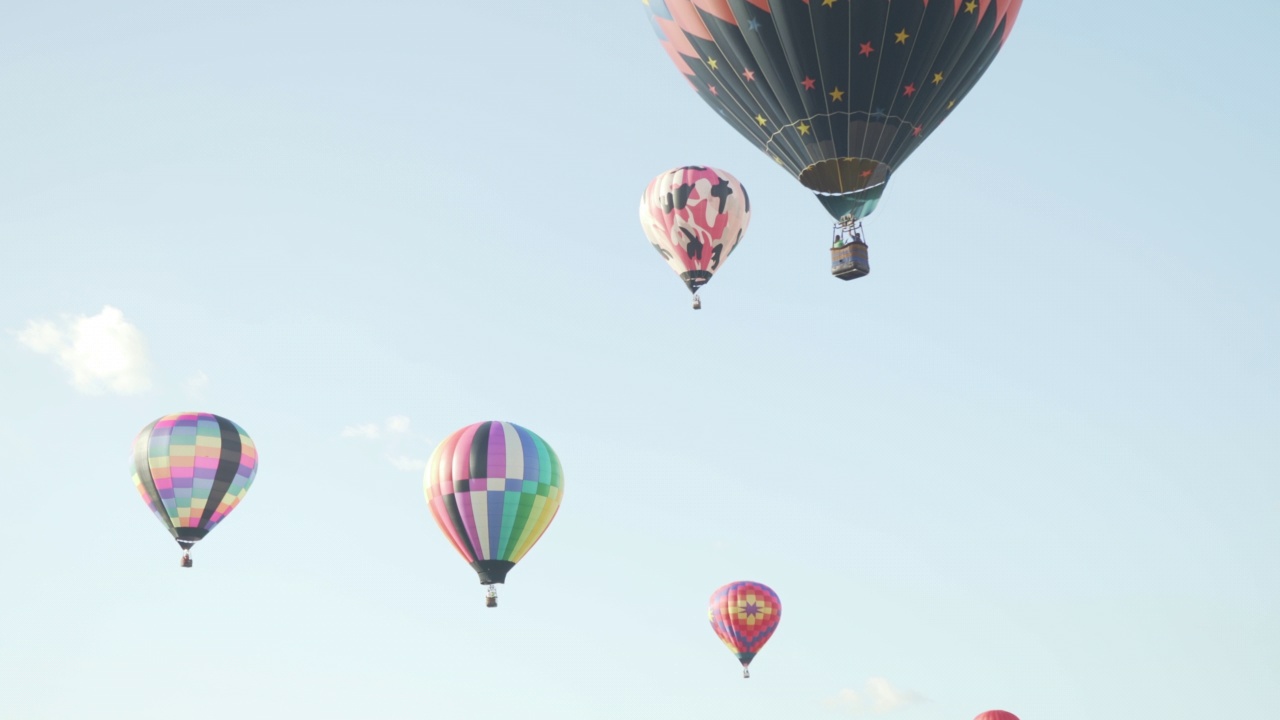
x,y
839,92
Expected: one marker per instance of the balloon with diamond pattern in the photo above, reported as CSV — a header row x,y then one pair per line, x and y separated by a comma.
x,y
744,616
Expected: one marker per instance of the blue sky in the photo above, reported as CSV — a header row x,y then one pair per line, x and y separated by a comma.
x,y
1029,462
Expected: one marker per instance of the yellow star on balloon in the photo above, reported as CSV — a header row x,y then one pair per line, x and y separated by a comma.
x,y
951,104
752,609
711,63
803,128
937,78
902,36
970,6
828,3
836,95
761,119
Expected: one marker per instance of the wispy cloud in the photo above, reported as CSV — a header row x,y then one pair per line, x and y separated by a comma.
x,y
879,697
103,353
393,434
368,430
394,425
196,385
407,464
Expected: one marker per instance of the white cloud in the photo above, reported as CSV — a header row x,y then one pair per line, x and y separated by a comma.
x,y
396,440
368,430
407,464
880,697
196,385
394,425
846,701
103,353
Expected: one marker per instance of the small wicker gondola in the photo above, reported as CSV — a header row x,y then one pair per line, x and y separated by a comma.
x,y
849,262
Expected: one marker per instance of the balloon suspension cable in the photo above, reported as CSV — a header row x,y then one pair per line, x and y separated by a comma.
x,y
697,302
491,596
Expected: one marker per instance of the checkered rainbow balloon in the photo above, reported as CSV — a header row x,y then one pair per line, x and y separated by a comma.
x,y
493,488
192,469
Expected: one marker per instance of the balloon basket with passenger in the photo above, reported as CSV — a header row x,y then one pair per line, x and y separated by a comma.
x,y
849,250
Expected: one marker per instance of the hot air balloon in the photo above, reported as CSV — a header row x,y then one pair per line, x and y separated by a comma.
x,y
744,615
493,488
838,92
996,715
694,217
193,469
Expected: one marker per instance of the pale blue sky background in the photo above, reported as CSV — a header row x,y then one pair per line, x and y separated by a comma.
x,y
1030,462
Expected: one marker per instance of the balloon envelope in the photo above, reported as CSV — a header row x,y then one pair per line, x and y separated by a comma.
x,y
193,469
744,616
996,715
839,93
493,488
694,217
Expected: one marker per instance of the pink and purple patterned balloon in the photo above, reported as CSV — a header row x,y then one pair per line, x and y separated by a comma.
x,y
695,217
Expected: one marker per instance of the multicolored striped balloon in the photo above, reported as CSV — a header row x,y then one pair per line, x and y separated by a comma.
x,y
192,469
744,615
493,488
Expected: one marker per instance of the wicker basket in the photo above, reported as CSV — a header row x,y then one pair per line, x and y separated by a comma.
x,y
849,262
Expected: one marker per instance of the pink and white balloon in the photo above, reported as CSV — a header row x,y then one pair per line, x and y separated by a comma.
x,y
695,217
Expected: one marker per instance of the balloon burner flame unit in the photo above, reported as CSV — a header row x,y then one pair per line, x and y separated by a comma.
x,y
491,596
849,250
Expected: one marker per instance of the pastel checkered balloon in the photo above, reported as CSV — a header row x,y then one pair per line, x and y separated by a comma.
x,y
744,615
193,469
